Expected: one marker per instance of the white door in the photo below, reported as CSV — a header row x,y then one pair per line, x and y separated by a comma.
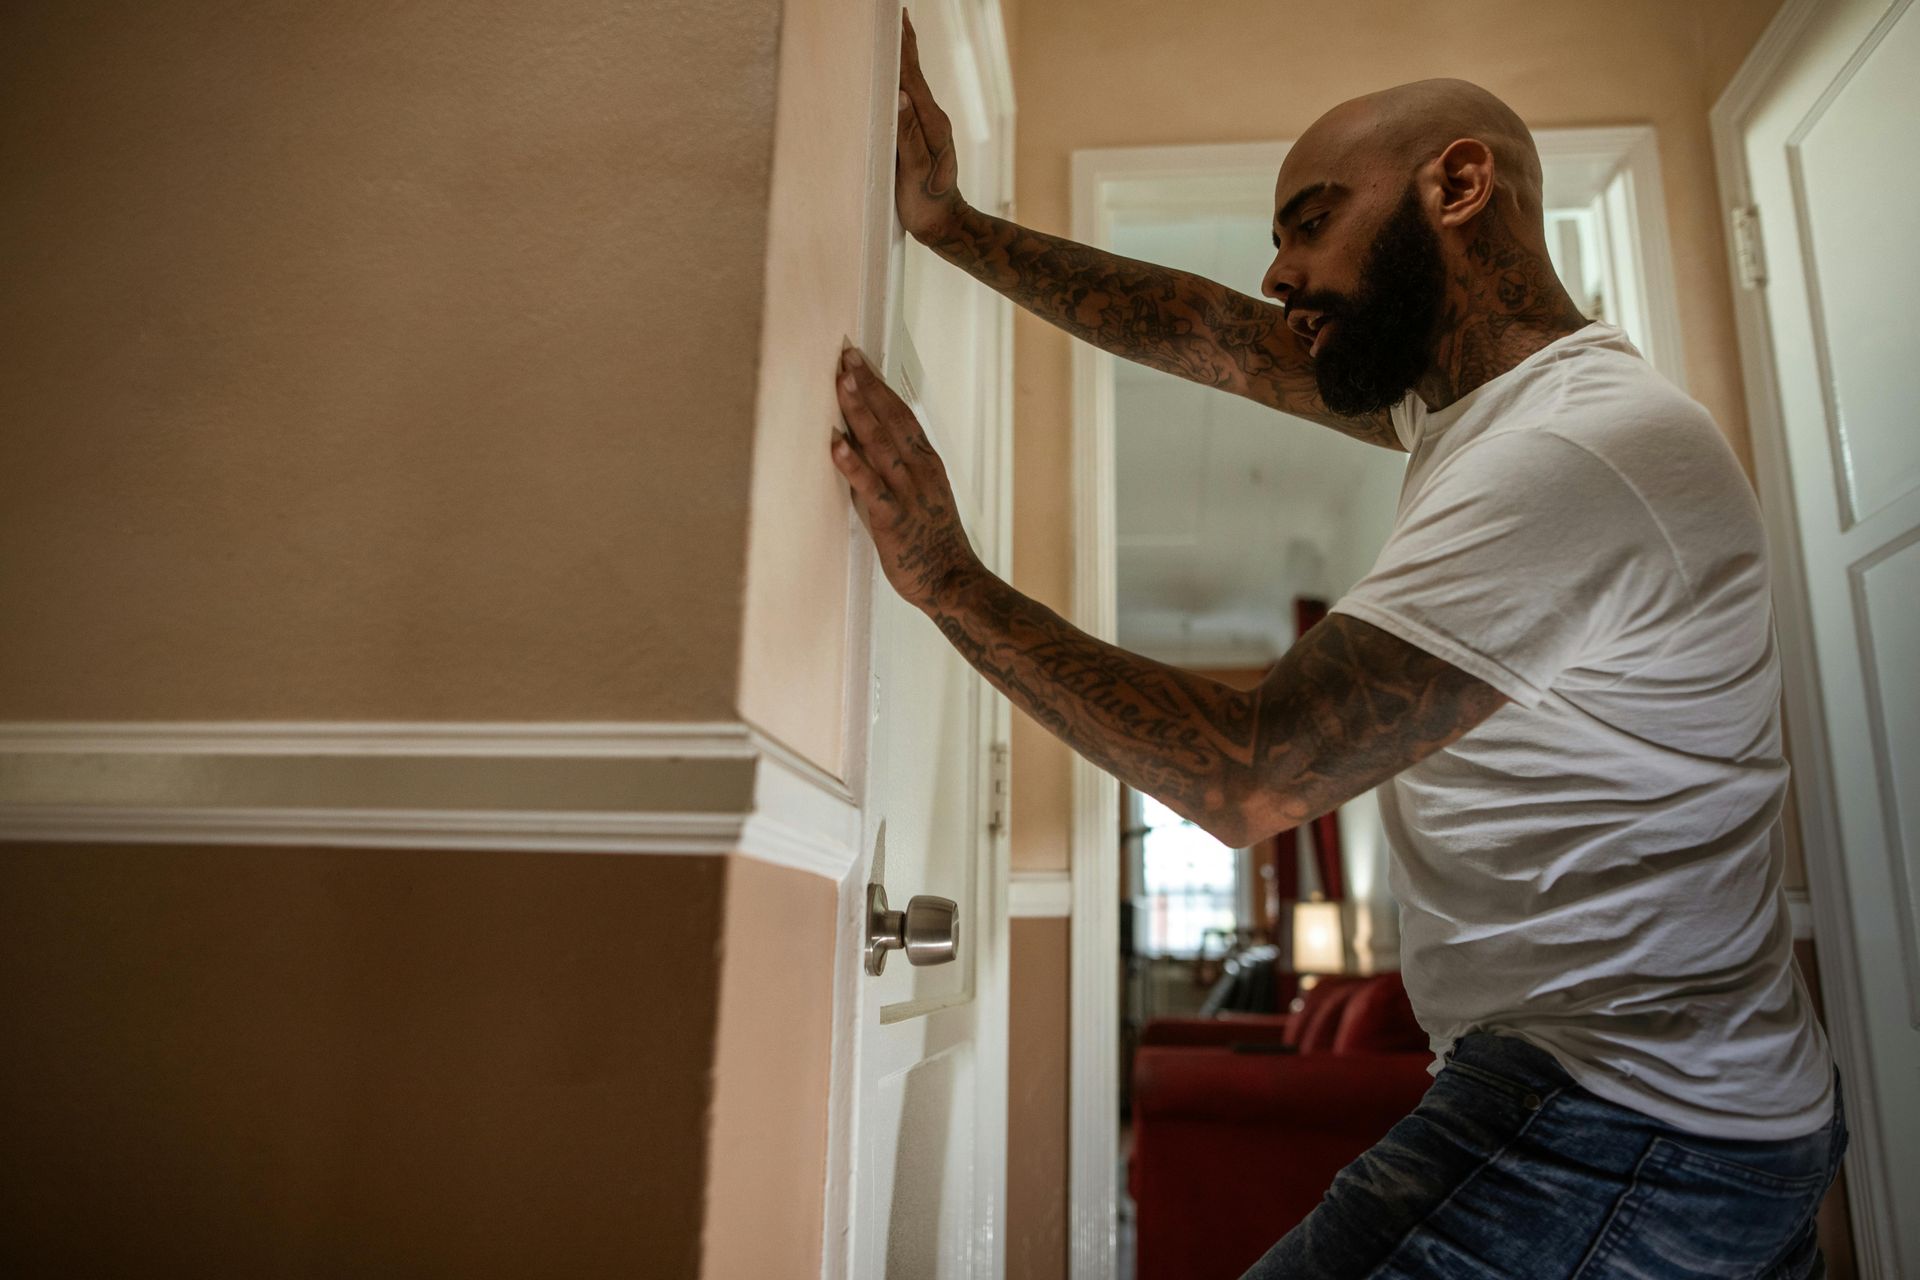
x,y
928,1173
1831,149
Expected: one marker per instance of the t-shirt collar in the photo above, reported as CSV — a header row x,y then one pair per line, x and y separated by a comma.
x,y
1433,421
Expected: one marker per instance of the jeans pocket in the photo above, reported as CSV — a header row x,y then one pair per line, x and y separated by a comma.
x,y
1524,1094
1692,1212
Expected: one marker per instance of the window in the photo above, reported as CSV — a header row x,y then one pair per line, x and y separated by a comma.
x,y
1189,882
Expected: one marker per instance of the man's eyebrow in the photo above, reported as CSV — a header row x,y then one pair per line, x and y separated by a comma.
x,y
1291,208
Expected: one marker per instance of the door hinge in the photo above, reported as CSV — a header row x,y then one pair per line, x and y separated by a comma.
x,y
997,800
1746,247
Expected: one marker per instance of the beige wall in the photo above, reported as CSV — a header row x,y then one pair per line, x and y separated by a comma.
x,y
378,362
410,363
322,1062
1096,73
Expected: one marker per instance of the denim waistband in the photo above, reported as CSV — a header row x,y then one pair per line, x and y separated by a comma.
x,y
1508,1055
1532,1068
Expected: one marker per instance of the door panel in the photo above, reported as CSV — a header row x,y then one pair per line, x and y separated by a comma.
x,y
1854,160
1833,164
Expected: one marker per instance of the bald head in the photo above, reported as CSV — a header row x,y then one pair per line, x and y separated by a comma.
x,y
1410,245
1390,133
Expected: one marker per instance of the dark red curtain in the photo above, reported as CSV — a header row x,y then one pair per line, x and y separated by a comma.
x,y
1284,850
1326,828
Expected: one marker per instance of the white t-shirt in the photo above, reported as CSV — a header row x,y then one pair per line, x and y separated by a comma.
x,y
1596,867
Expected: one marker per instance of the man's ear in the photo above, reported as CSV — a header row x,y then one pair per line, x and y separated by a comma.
x,y
1465,174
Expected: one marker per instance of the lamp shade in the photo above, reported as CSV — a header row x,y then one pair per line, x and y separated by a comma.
x,y
1317,944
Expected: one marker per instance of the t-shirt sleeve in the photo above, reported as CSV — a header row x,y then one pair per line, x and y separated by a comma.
x,y
1524,556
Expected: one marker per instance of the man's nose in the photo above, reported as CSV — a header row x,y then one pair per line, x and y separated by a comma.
x,y
1280,280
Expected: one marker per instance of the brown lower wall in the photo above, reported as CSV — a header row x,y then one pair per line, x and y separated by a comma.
x,y
1037,1074
310,1062
767,1150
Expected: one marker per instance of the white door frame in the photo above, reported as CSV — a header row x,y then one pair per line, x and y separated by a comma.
x,y
1103,179
983,19
1868,1194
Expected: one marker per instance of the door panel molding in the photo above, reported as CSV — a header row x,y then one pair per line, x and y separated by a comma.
x,y
1850,465
1901,856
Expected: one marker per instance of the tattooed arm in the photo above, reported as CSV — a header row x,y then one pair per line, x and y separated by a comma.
x,y
1162,317
1166,319
1347,707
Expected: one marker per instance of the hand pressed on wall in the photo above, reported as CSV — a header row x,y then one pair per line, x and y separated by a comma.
x,y
900,488
926,172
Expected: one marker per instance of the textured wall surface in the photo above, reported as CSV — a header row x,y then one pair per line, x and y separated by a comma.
x,y
373,361
1037,1027
317,1063
767,1153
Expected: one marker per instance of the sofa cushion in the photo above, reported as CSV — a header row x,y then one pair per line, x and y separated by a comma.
x,y
1231,1151
1320,1013
1377,1018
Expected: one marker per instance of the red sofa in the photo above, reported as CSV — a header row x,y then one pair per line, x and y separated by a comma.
x,y
1241,1122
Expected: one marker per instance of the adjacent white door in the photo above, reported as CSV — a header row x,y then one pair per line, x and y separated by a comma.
x,y
1826,127
928,1175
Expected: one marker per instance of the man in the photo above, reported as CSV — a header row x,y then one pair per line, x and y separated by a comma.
x,y
1562,665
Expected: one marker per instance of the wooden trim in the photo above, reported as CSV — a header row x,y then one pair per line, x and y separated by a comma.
x,y
1094,1101
1632,152
635,788
1039,895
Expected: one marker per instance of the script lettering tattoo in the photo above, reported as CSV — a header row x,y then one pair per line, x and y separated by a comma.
x,y
1346,708
1166,319
1164,731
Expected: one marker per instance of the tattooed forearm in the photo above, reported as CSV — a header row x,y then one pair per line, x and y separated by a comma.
x,y
1346,708
1164,318
1177,736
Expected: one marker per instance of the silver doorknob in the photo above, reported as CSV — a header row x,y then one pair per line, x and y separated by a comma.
x,y
928,930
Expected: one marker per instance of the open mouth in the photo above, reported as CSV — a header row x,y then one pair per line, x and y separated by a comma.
x,y
1320,338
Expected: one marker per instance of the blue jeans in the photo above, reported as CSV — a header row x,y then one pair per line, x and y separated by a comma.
x,y
1507,1168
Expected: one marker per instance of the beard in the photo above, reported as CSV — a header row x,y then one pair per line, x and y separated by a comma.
x,y
1388,324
